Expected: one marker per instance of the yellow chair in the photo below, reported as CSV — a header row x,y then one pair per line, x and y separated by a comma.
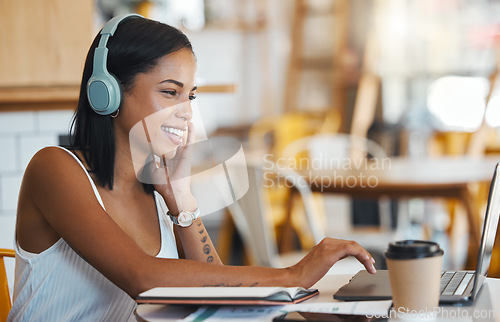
x,y
271,135
5,303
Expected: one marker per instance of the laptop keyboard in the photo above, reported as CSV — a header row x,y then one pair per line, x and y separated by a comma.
x,y
455,283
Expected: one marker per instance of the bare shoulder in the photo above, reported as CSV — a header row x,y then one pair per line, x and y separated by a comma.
x,y
55,176
49,157
47,188
50,164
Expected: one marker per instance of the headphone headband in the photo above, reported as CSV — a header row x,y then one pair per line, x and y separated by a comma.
x,y
109,29
103,89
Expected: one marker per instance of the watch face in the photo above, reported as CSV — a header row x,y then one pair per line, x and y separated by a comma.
x,y
185,219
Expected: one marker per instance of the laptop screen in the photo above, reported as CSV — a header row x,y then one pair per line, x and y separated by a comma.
x,y
489,231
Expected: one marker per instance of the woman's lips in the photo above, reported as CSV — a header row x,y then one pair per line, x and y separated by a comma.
x,y
174,134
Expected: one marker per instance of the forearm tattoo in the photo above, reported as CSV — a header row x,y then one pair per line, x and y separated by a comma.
x,y
206,248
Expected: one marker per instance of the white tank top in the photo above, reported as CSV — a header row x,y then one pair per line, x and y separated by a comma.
x,y
58,285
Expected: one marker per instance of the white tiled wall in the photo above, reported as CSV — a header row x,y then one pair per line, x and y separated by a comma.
x,y
22,134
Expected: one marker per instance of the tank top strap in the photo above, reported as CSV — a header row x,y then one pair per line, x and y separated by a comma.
x,y
96,192
168,245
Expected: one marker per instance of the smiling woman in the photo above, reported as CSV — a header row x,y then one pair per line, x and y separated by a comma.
x,y
91,233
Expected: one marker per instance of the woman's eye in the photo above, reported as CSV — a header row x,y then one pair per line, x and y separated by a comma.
x,y
192,97
171,93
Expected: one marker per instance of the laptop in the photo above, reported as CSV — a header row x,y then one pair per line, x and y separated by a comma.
x,y
456,286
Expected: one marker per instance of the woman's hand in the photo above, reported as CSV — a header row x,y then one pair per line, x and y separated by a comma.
x,y
324,255
172,177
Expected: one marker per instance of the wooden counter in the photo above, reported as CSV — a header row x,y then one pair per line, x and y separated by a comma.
x,y
36,98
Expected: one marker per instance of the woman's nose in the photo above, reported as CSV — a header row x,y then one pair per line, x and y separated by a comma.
x,y
185,111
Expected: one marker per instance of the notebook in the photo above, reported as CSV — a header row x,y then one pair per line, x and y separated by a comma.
x,y
456,286
226,295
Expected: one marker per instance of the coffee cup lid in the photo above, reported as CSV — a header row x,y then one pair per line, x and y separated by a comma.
x,y
411,249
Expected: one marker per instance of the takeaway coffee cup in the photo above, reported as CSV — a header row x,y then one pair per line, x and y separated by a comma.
x,y
414,273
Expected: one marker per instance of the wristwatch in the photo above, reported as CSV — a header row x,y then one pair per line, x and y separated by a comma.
x,y
184,218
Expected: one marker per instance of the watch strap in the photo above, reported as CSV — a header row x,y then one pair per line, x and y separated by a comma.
x,y
175,218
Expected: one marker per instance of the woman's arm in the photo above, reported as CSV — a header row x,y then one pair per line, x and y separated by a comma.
x,y
305,273
60,191
61,194
196,243
172,181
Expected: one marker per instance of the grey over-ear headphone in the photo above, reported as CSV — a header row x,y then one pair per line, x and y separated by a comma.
x,y
103,89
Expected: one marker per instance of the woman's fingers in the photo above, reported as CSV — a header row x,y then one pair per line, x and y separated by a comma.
x,y
324,255
190,133
367,261
341,249
184,150
362,255
153,171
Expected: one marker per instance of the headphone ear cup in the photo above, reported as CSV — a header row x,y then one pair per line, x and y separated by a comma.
x,y
103,89
104,93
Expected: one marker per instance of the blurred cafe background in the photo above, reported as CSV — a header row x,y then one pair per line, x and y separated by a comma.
x,y
410,82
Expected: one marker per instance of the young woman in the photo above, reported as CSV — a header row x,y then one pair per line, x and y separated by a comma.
x,y
90,236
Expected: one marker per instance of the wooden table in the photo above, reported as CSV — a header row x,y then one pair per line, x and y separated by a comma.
x,y
402,177
486,304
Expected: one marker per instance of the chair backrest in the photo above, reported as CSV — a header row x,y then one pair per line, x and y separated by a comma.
x,y
273,133
331,151
252,219
5,303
